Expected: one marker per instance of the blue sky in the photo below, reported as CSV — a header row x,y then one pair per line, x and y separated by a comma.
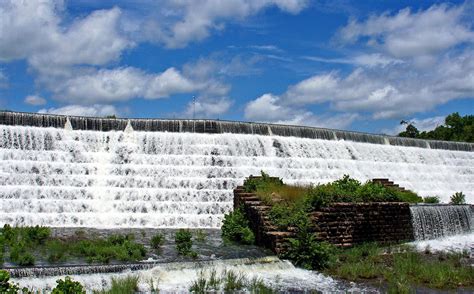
x,y
358,65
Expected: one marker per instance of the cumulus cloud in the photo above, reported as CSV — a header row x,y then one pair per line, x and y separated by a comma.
x,y
80,110
34,100
192,21
412,34
269,108
387,93
205,107
385,84
32,30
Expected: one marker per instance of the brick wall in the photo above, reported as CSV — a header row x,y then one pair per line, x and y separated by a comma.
x,y
343,224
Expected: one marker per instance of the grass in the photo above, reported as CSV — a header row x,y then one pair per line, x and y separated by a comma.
x,y
127,285
228,281
23,243
157,240
402,270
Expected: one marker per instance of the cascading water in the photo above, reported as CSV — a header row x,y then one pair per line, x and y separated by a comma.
x,y
437,221
178,277
155,173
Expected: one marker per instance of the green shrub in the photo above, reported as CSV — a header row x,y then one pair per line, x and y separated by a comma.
x,y
347,184
305,251
157,240
20,256
37,234
9,288
431,199
57,250
253,184
184,243
68,286
236,228
458,198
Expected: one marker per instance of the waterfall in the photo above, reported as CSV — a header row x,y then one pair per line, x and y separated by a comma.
x,y
218,126
436,221
177,277
111,173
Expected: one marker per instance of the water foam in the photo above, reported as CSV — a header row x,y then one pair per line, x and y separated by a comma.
x,y
72,178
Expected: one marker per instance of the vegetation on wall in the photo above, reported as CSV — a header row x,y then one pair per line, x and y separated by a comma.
x,y
235,228
455,128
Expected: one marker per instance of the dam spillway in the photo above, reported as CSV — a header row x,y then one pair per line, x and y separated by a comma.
x,y
113,173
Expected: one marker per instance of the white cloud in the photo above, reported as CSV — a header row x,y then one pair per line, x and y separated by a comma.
x,y
268,108
123,84
35,100
208,107
366,60
391,92
80,110
426,124
190,21
413,34
33,30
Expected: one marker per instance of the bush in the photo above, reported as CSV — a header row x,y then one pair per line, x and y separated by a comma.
x,y
9,288
184,243
236,228
253,184
458,198
305,251
20,256
431,199
157,240
68,286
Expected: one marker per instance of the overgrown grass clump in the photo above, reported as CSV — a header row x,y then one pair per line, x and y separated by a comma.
x,y
23,243
402,270
431,199
228,281
127,285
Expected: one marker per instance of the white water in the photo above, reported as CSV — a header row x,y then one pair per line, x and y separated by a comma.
x,y
61,177
456,243
177,277
437,221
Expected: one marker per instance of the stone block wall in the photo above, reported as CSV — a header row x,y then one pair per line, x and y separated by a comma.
x,y
342,224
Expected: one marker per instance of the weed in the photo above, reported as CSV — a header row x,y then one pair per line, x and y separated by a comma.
x,y
431,199
127,285
458,198
157,240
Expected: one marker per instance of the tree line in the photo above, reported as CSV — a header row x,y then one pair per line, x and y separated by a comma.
x,y
455,128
